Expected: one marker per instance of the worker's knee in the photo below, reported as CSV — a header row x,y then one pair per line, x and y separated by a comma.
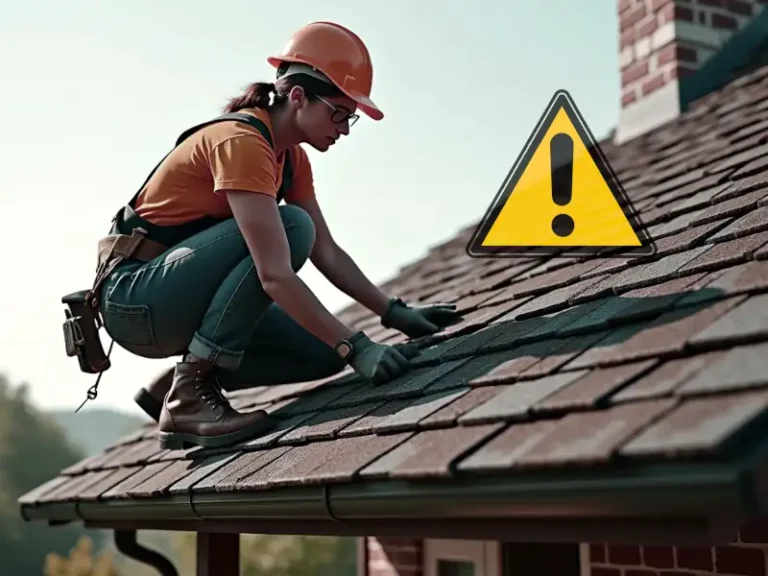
x,y
300,231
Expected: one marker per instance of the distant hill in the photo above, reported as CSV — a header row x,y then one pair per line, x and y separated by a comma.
x,y
95,429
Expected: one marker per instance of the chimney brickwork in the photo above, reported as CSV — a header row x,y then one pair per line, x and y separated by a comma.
x,y
663,43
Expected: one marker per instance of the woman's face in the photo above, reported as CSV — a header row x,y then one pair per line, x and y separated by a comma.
x,y
322,120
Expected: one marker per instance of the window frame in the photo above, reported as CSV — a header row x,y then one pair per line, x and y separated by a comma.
x,y
484,554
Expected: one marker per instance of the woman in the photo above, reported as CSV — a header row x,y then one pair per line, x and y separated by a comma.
x,y
214,275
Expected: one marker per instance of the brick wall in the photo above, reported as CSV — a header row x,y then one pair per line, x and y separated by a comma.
x,y
395,556
745,557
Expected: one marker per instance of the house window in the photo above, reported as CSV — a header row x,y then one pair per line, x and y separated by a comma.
x,y
461,558
455,568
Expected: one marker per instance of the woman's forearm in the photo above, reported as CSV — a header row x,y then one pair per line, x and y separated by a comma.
x,y
344,274
298,301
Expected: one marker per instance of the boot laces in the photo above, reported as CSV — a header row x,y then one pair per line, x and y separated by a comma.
x,y
209,389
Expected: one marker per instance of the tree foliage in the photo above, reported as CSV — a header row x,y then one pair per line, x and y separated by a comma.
x,y
33,449
296,555
275,555
80,562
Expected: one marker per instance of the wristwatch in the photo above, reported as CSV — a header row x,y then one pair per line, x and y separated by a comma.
x,y
344,349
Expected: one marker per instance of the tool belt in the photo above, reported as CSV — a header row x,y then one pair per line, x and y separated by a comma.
x,y
83,317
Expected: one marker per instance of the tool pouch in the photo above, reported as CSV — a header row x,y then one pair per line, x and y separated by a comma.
x,y
81,333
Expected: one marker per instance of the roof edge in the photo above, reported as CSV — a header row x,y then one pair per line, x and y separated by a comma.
x,y
673,493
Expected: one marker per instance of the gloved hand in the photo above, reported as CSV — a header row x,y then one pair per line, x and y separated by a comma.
x,y
408,349
377,363
416,321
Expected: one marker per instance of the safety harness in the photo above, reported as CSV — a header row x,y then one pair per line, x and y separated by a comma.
x,y
132,237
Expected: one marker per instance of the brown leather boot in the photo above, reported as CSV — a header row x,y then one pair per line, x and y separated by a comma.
x,y
195,412
150,398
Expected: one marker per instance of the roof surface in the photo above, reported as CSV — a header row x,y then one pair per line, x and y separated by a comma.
x,y
560,365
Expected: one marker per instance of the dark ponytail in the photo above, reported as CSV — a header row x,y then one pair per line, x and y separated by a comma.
x,y
256,95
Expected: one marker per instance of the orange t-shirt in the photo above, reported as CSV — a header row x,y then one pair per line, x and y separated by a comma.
x,y
229,154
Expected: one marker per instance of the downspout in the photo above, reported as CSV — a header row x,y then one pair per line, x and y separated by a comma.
x,y
126,542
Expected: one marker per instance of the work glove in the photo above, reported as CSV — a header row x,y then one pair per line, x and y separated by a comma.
x,y
408,349
377,363
417,321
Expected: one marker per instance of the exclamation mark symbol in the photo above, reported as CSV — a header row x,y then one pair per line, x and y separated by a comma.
x,y
561,160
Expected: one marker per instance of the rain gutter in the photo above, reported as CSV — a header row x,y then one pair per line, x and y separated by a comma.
x,y
692,497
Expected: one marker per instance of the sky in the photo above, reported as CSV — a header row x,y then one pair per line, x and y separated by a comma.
x,y
94,93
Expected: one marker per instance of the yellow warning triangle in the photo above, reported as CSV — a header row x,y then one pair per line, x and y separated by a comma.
x,y
561,196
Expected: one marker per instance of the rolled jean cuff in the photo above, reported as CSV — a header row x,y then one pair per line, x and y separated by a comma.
x,y
216,355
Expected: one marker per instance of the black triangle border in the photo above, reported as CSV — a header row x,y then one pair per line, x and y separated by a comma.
x,y
561,99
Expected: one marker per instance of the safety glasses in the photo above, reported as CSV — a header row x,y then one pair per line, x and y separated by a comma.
x,y
339,115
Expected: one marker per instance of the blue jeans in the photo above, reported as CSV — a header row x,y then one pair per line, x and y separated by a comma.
x,y
203,296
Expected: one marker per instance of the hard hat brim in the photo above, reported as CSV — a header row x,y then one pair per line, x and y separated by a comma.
x,y
366,105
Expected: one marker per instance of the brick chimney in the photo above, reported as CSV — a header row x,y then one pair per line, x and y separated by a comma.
x,y
663,45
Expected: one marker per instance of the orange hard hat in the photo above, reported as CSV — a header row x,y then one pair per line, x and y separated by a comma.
x,y
340,55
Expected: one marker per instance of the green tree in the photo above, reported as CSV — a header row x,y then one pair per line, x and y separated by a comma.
x,y
33,449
